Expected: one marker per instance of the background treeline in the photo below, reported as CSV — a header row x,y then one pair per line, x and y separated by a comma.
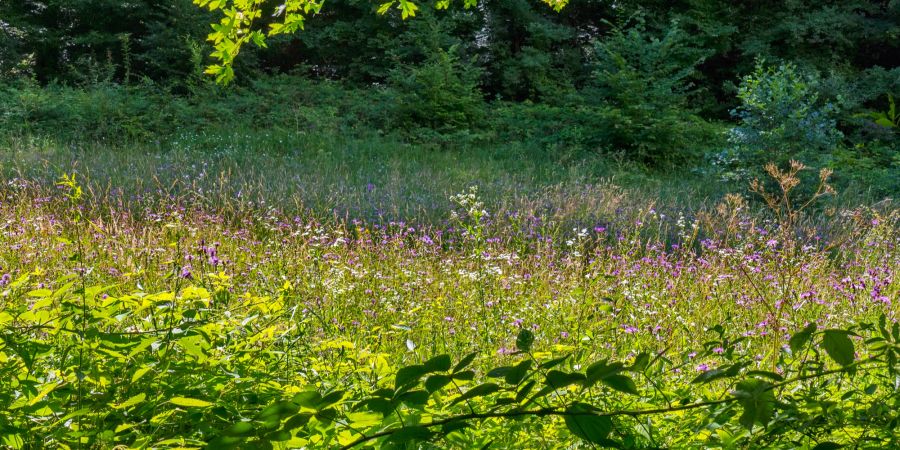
x,y
716,85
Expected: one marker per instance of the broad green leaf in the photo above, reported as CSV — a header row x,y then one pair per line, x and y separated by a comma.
x,y
463,363
440,363
758,400
436,382
591,428
134,400
839,347
621,383
477,391
799,340
409,375
189,402
558,379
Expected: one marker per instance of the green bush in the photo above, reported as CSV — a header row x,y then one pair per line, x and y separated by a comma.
x,y
783,117
441,94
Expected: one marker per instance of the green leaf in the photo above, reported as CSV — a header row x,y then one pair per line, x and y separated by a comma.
x,y
621,383
189,402
463,363
758,400
406,436
601,369
553,362
827,446
134,400
589,427
558,380
524,340
239,429
440,363
799,340
308,399
330,399
436,382
464,375
517,373
384,7
414,398
838,346
766,374
641,362
409,375
478,391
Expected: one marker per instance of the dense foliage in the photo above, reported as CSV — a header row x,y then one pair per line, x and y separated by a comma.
x,y
653,82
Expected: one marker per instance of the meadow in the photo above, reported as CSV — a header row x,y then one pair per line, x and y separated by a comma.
x,y
284,292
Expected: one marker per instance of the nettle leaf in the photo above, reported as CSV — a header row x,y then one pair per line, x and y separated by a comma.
x,y
587,426
758,400
801,338
524,340
838,346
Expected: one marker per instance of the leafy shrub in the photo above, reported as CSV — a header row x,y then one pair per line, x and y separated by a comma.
x,y
441,94
783,117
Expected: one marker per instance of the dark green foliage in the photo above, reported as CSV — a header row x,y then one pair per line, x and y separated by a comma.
x,y
440,94
643,84
646,83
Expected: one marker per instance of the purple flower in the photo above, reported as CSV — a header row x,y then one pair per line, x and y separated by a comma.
x,y
4,280
702,368
718,350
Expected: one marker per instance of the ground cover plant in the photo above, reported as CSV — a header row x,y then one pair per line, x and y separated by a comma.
x,y
157,320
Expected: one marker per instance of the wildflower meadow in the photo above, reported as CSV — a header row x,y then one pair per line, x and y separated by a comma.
x,y
151,321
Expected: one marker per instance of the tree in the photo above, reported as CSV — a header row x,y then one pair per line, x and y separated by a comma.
x,y
241,22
